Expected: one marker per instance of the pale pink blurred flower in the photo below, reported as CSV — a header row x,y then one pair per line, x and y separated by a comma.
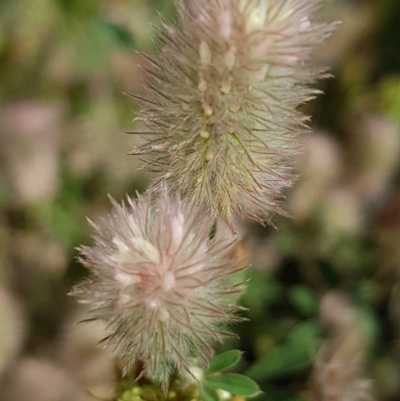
x,y
159,283
340,360
30,139
12,329
40,379
221,99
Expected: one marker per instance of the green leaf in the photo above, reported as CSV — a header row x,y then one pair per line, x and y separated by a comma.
x,y
234,383
224,361
207,393
297,353
304,300
281,360
368,322
116,34
306,335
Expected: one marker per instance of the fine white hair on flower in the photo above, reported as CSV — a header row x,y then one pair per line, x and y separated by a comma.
x,y
159,282
221,99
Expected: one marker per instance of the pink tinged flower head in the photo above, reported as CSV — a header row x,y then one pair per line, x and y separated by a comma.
x,y
221,101
160,284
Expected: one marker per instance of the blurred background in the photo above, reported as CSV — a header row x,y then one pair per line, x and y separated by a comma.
x,y
324,296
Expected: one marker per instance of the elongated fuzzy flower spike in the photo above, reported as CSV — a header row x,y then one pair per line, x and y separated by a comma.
x,y
160,284
221,98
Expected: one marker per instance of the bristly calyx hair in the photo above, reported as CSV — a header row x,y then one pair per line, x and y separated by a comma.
x,y
160,284
221,98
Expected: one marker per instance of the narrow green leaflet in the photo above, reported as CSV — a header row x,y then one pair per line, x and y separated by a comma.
x,y
368,322
224,361
235,384
297,353
207,393
306,335
304,300
281,360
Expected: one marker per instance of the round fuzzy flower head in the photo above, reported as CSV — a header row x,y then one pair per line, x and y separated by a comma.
x,y
159,283
221,97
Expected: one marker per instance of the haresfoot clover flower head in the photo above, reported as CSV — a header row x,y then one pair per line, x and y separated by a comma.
x,y
221,98
160,284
